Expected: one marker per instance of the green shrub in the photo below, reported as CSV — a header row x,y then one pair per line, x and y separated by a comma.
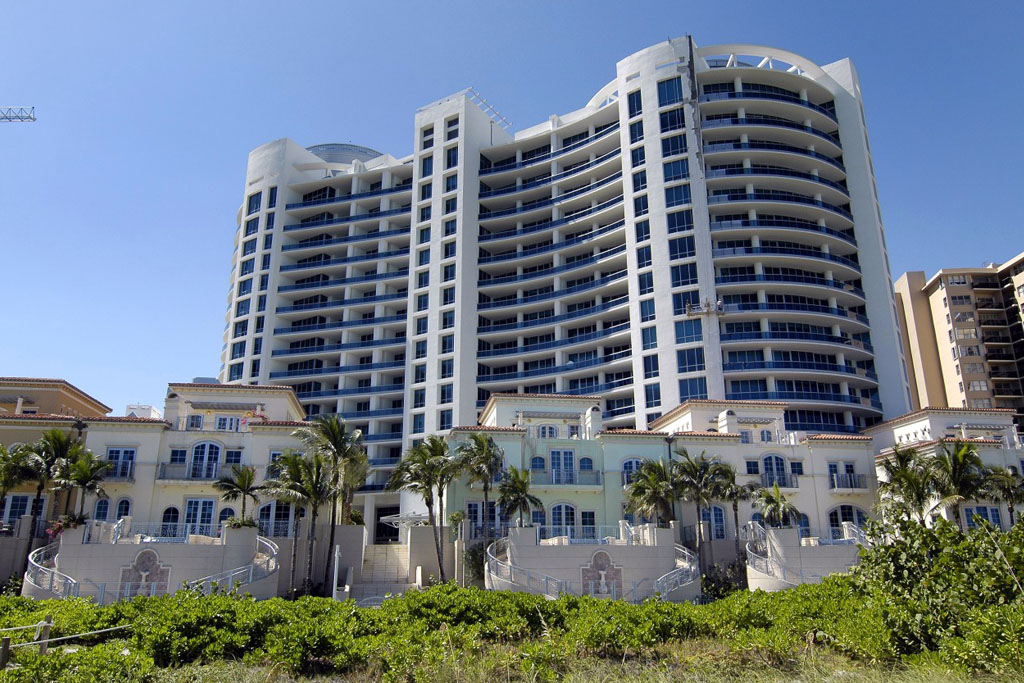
x,y
112,662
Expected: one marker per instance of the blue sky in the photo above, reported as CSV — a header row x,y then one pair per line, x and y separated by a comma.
x,y
117,207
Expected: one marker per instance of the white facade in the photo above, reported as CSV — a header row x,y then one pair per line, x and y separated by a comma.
x,y
706,226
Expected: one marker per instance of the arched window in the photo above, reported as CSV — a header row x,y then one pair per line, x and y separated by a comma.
x,y
537,463
629,468
805,526
547,431
757,517
715,518
102,510
225,514
586,464
123,509
766,435
205,461
169,522
563,518
774,471
845,513
275,518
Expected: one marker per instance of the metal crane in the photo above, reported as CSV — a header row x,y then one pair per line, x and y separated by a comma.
x,y
15,114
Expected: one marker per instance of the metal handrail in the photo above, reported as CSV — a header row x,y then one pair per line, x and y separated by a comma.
x,y
48,578
687,571
506,571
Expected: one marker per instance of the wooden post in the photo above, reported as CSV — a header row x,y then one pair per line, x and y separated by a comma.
x,y
44,634
5,652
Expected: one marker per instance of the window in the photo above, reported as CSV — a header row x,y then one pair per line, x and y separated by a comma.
x,y
636,132
448,249
683,302
673,145
680,221
248,266
444,419
451,157
426,166
417,423
100,512
423,257
650,367
645,283
715,519
254,203
690,360
643,257
639,181
257,344
629,469
259,324
264,282
988,514
233,457
245,287
650,337
422,278
252,226
419,373
123,508
451,204
646,310
796,467
681,247
422,302
242,307
652,395
448,273
421,325
634,103
451,182
637,157
547,432
643,231
449,227
420,349
265,265
424,235
447,320
672,119
445,394
537,463
675,196
447,296
640,205
419,398
448,343
696,388
677,170
753,467
670,91
685,274
269,226
425,213
227,424
237,350
447,368
240,329
426,191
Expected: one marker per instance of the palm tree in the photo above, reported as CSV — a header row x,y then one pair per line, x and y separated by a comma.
x,y
14,469
304,480
959,475
774,506
1003,484
356,470
86,473
652,491
514,494
61,450
329,436
240,483
907,485
697,480
428,470
733,492
482,459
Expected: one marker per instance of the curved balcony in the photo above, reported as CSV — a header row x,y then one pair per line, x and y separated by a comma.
x,y
556,294
775,97
581,263
337,199
555,369
816,396
347,239
778,173
551,155
345,281
527,324
778,197
345,346
362,258
356,391
512,189
800,365
772,122
340,325
340,303
767,146
772,224
341,220
618,412
485,215
746,337
338,369
558,343
596,389
365,414
554,246
793,279
797,308
810,253
548,225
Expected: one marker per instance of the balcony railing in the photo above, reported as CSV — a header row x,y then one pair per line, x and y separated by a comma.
x,y
785,481
773,223
555,369
578,339
554,294
120,472
341,303
565,478
803,396
550,155
758,95
773,122
785,251
541,203
847,481
799,365
772,147
787,198
797,279
547,225
778,172
326,348
338,369
545,272
583,312
555,246
375,235
403,272
394,253
809,308
355,391
510,189
341,324
797,336
188,471
348,197
340,220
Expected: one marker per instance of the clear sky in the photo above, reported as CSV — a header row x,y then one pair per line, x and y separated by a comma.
x,y
117,208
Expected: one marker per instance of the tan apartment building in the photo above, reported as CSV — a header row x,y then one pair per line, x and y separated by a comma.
x,y
963,337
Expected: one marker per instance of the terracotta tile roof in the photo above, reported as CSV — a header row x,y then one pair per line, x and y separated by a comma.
x,y
837,437
718,435
631,432
137,420
245,387
481,428
934,442
44,380
49,417
70,418
930,409
681,408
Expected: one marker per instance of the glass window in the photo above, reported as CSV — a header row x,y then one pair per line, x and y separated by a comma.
x,y
422,278
672,119
447,368
645,283
420,349
675,196
451,182
671,146
681,247
427,166
670,91
447,296
417,423
643,257
680,221
690,360
650,366
650,337
676,170
445,393
652,395
422,301
254,203
695,388
636,132
419,373
272,198
647,310
643,231
419,398
426,191
684,274
421,325
423,257
448,272
640,205
448,343
447,320
444,419
449,227
451,204
448,249
252,226
635,103
424,235
245,287
639,181
637,157
451,157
